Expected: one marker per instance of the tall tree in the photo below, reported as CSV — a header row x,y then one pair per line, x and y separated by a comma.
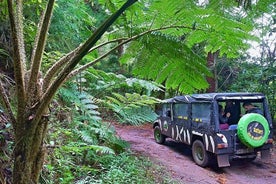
x,y
33,93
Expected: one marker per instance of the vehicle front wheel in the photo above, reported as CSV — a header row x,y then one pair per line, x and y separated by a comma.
x,y
158,136
200,155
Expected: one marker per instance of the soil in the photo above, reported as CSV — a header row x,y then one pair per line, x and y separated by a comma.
x,y
177,159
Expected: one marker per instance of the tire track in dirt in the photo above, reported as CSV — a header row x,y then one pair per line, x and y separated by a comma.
x,y
177,158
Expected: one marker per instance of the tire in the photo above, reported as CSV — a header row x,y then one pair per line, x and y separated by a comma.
x,y
200,155
158,136
253,130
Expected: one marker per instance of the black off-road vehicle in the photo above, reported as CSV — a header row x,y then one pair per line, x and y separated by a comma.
x,y
195,121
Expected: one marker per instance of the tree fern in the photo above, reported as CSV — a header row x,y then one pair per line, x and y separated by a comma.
x,y
171,62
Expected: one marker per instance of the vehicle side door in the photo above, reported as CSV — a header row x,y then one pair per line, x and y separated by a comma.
x,y
166,120
181,122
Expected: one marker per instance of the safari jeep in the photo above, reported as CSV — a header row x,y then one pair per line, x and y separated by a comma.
x,y
194,120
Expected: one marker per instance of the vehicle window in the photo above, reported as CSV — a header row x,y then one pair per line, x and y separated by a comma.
x,y
166,111
180,111
201,112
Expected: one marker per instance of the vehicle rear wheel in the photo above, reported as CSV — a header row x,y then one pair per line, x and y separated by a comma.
x,y
200,155
158,136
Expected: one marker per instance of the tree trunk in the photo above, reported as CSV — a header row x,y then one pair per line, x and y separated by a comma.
x,y
29,153
211,63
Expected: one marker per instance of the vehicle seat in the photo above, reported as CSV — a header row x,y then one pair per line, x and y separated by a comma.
x,y
233,127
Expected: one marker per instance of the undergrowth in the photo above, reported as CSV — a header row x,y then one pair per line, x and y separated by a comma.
x,y
82,149
126,168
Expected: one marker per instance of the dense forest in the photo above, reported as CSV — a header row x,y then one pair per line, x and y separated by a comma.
x,y
70,68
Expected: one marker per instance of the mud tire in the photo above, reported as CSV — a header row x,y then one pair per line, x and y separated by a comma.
x,y
158,136
200,155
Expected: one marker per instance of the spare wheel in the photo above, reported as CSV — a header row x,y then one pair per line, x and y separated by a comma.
x,y
253,130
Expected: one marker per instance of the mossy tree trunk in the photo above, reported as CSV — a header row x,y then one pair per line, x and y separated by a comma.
x,y
29,154
35,90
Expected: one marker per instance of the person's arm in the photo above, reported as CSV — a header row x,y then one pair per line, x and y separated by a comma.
x,y
224,120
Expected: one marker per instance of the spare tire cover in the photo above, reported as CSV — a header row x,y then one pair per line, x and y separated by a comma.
x,y
253,130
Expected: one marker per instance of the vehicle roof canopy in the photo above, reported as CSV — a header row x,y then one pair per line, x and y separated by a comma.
x,y
215,96
185,98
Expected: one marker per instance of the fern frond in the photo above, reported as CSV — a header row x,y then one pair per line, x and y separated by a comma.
x,y
171,62
86,137
102,149
132,108
79,148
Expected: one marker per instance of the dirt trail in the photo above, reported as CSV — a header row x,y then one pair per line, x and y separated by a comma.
x,y
177,158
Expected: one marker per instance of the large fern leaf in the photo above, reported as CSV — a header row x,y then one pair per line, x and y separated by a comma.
x,y
80,147
165,59
103,81
132,108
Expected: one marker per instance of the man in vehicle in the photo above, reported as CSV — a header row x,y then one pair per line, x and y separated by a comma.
x,y
250,108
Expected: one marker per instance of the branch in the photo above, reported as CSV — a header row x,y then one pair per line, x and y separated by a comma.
x,y
52,71
19,53
40,46
84,67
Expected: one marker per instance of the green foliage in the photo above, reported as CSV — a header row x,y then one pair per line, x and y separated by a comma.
x,y
69,93
80,145
218,25
101,84
71,18
255,71
85,150
32,11
172,63
167,56
3,11
126,168
132,108
263,7
49,59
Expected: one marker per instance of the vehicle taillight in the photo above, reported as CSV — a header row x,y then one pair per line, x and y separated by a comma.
x,y
269,141
222,145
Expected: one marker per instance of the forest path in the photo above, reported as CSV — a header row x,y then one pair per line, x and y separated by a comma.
x,y
177,158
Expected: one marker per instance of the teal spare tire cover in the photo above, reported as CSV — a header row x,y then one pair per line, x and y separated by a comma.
x,y
253,130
